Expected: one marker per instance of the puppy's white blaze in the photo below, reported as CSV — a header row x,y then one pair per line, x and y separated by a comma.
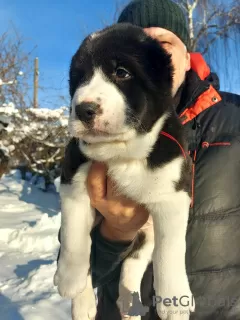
x,y
112,103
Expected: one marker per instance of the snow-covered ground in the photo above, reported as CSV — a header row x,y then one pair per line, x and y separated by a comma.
x,y
29,223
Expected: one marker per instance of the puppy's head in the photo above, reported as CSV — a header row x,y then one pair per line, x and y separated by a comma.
x,y
120,85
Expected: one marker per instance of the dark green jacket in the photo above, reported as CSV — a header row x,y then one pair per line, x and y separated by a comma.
x,y
212,123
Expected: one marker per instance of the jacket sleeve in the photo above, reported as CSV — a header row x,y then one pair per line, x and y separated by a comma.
x,y
106,257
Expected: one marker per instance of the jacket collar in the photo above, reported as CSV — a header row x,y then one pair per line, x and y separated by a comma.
x,y
199,90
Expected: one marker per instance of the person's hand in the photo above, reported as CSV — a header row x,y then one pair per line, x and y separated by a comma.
x,y
122,217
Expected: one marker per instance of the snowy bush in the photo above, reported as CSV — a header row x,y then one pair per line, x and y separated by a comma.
x,y
34,139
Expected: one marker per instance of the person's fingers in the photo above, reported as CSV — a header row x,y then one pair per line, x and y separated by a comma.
x,y
97,182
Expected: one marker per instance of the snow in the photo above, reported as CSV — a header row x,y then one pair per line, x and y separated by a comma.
x,y
29,224
8,109
46,114
7,82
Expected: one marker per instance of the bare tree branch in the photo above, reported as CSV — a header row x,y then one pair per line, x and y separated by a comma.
x,y
14,69
206,18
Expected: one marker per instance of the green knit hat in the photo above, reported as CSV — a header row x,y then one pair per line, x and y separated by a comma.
x,y
157,13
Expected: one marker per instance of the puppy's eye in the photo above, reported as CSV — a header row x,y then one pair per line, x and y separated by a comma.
x,y
122,73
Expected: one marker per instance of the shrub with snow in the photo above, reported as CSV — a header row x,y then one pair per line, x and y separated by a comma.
x,y
34,139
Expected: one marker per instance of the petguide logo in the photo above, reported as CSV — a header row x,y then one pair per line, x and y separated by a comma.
x,y
138,309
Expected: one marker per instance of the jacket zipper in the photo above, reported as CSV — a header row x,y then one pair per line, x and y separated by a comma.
x,y
206,144
193,155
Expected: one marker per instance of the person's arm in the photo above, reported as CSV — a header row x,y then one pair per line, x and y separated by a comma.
x,y
113,238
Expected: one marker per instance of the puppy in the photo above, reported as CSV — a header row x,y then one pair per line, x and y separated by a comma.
x,y
122,114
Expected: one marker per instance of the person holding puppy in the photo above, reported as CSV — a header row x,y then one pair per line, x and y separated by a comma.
x,y
212,123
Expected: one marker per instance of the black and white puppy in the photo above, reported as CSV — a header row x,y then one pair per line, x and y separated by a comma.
x,y
122,114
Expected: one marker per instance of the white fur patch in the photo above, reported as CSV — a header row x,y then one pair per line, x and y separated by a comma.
x,y
143,185
170,218
84,304
77,217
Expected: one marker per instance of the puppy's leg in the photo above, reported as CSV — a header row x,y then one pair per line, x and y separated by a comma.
x,y
132,273
84,304
76,223
170,279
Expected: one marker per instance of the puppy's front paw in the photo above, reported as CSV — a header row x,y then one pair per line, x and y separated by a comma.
x,y
84,305
71,278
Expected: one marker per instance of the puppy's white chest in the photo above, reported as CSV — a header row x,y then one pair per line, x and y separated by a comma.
x,y
142,184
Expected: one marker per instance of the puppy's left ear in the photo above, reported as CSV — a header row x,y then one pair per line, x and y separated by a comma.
x,y
160,62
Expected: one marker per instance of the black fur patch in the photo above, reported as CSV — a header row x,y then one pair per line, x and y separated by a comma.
x,y
73,159
165,149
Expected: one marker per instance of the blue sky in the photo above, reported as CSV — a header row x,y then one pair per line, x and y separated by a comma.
x,y
57,28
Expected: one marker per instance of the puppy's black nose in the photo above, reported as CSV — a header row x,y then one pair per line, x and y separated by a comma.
x,y
86,111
